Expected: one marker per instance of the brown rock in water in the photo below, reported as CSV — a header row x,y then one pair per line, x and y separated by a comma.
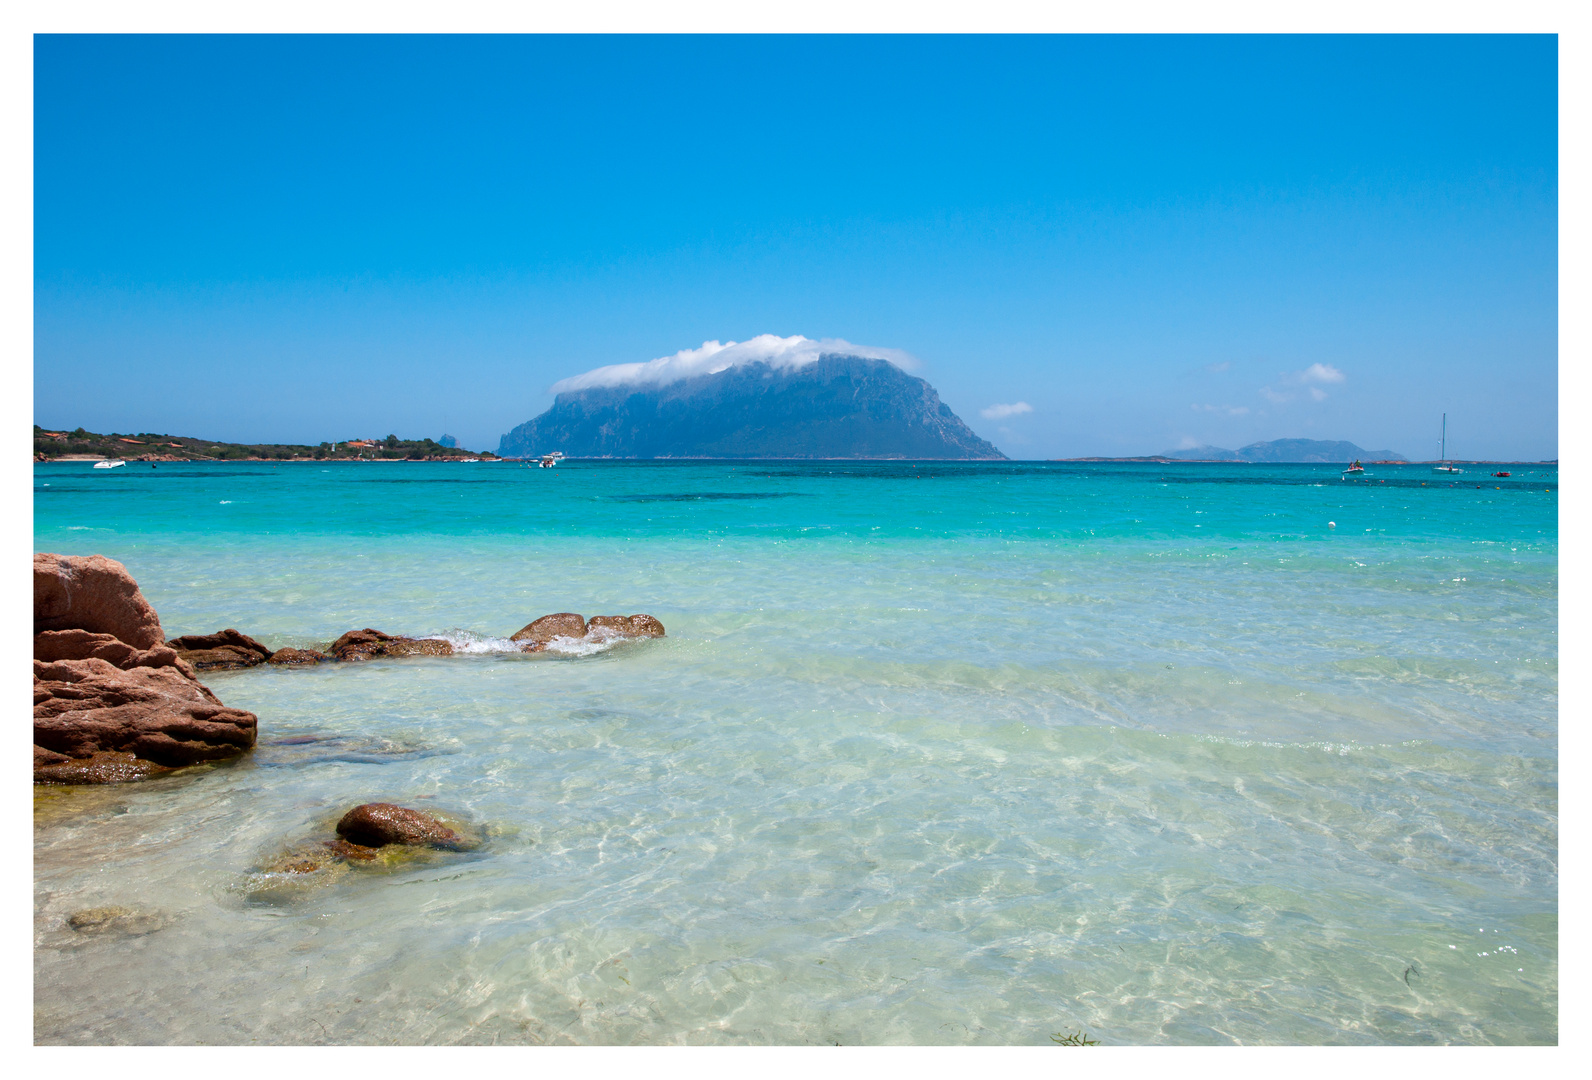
x,y
548,627
220,651
368,644
342,849
84,707
52,645
92,593
377,824
298,656
627,625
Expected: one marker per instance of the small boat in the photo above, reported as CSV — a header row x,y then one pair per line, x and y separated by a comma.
x,y
548,461
113,463
1500,474
1354,469
1442,465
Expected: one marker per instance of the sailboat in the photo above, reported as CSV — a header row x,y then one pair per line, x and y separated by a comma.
x,y
1442,452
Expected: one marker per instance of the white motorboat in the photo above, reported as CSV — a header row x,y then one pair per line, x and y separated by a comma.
x,y
113,463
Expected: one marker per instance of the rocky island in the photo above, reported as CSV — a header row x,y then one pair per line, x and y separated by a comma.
x,y
831,406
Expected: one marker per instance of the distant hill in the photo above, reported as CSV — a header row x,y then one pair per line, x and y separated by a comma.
x,y
832,407
1285,450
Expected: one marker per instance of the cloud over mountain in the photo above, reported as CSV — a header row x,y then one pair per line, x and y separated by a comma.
x,y
786,354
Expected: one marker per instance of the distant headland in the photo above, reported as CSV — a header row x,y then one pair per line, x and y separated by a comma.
x,y
83,445
1278,451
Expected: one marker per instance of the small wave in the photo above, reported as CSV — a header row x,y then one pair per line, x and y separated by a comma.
x,y
595,641
598,640
467,641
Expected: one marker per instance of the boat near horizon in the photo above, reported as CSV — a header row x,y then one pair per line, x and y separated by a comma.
x,y
112,463
1442,453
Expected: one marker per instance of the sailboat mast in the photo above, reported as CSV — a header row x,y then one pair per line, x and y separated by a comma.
x,y
1442,446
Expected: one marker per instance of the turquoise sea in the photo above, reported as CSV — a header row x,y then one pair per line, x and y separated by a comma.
x,y
932,753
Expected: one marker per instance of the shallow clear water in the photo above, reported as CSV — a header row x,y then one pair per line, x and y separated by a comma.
x,y
931,754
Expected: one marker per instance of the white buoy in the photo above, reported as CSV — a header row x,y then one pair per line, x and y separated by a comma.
x,y
1332,524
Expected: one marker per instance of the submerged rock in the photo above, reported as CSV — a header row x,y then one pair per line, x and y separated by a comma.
x,y
375,825
116,920
92,593
222,650
368,644
105,767
372,838
548,627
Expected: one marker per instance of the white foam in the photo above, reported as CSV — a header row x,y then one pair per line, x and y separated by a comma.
x,y
467,641
598,639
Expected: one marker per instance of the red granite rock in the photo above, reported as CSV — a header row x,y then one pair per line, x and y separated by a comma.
x,y
294,657
627,625
220,651
52,645
85,707
548,627
92,593
368,644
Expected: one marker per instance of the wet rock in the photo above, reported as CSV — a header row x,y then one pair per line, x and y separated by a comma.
x,y
222,650
548,627
295,657
92,593
85,707
342,849
375,825
105,767
52,645
627,625
368,644
116,920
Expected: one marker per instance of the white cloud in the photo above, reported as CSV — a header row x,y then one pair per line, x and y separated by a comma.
x,y
1001,412
1188,442
714,357
1218,368
1229,410
1279,393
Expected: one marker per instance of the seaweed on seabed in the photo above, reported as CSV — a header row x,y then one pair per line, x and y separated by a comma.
x,y
1075,1038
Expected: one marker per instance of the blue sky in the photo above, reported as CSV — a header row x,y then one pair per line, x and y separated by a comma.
x,y
1151,241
